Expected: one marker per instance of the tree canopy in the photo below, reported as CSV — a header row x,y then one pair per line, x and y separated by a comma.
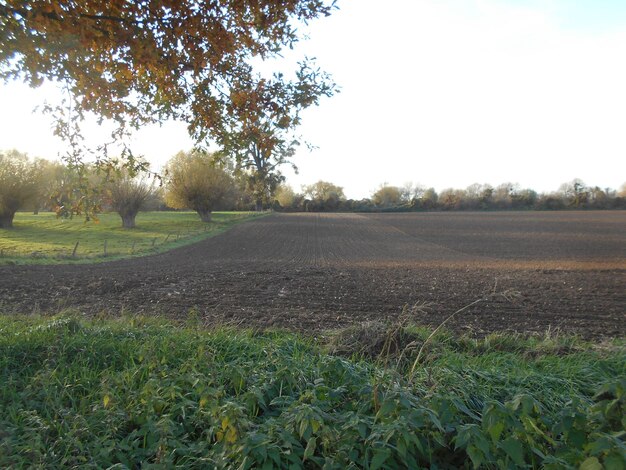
x,y
195,182
387,196
259,121
145,60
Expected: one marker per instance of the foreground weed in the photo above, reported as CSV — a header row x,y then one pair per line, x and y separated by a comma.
x,y
133,392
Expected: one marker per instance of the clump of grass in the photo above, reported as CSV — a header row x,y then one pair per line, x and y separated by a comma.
x,y
132,391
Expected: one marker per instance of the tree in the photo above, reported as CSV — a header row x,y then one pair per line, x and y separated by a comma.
x,y
128,195
575,193
411,193
18,185
259,122
324,196
478,196
451,199
503,195
52,178
429,199
387,196
136,62
195,181
285,196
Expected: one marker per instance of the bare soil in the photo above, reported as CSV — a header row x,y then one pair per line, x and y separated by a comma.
x,y
313,272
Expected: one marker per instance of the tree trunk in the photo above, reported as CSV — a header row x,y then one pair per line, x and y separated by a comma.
x,y
205,216
128,219
259,205
6,220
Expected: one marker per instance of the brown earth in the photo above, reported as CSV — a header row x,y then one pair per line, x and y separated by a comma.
x,y
311,272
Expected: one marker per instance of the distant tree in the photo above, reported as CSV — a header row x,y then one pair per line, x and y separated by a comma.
x,y
478,196
523,199
156,200
411,193
128,195
323,196
195,181
622,190
53,177
598,198
451,199
550,202
285,196
429,199
18,185
387,196
575,193
502,195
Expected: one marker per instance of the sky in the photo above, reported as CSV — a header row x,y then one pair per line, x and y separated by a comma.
x,y
441,93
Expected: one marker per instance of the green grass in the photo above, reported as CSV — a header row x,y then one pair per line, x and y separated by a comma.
x,y
134,392
46,239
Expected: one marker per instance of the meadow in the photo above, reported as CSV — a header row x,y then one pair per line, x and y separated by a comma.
x,y
46,239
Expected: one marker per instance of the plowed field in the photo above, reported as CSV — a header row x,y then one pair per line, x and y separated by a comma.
x,y
313,272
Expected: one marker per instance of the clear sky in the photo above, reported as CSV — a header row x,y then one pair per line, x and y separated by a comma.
x,y
444,93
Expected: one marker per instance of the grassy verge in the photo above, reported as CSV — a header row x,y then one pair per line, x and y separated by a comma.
x,y
130,392
45,239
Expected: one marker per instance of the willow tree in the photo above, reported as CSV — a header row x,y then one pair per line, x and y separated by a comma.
x,y
128,195
196,181
18,185
136,62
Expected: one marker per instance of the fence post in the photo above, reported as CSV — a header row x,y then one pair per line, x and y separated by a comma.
x,y
75,248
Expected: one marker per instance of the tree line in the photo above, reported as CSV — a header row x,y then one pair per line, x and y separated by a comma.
x,y
324,196
205,182
194,180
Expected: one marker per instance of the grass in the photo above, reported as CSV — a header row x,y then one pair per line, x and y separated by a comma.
x,y
46,239
133,392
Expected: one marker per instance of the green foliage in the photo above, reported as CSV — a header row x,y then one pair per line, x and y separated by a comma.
x,y
133,392
388,196
18,185
285,196
45,238
323,196
195,181
144,61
